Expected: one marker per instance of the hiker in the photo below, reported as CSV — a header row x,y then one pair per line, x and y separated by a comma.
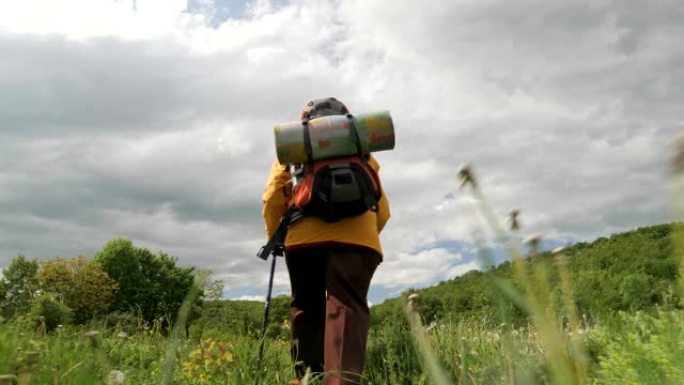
x,y
330,264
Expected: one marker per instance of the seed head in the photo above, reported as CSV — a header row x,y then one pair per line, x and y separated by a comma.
x,y
678,156
533,240
513,219
94,337
413,301
466,176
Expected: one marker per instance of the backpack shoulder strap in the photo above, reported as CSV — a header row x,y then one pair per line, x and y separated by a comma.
x,y
355,137
307,140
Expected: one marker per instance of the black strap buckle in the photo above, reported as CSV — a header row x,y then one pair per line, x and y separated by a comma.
x,y
276,244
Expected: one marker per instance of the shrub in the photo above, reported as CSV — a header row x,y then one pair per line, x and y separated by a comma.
x,y
124,321
45,309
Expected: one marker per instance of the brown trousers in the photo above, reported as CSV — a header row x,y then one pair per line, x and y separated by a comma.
x,y
329,309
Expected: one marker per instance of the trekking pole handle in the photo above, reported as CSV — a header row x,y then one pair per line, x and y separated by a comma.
x,y
276,245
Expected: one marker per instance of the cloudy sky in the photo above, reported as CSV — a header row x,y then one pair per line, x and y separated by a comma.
x,y
153,120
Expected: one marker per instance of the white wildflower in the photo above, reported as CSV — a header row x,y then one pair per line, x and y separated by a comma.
x,y
431,326
116,377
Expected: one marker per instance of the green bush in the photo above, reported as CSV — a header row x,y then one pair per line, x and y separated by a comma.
x,y
124,321
640,348
45,310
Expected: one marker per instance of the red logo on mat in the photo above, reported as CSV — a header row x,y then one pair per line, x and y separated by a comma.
x,y
376,139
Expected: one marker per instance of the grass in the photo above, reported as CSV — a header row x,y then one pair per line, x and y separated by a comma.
x,y
637,348
69,357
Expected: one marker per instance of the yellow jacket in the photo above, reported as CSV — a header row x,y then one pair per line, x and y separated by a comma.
x,y
362,230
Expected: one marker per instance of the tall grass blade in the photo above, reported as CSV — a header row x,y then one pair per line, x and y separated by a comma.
x,y
428,357
174,339
677,204
536,299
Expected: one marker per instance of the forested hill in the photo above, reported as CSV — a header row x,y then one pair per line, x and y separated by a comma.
x,y
628,271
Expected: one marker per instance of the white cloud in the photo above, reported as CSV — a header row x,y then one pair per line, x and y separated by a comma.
x,y
259,298
417,269
79,19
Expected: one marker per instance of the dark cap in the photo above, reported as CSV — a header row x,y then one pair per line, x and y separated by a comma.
x,y
323,107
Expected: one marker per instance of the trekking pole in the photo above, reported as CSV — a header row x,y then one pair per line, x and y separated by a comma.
x,y
267,307
275,247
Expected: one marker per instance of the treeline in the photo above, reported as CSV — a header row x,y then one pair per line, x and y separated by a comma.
x,y
121,282
636,270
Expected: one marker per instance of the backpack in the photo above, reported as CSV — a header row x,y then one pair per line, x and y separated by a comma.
x,y
332,189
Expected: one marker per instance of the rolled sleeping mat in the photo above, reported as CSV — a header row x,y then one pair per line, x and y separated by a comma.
x,y
332,136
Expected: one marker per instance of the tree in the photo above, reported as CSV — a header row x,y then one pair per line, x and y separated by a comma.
x,y
118,258
21,284
213,290
3,292
80,284
148,283
56,277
